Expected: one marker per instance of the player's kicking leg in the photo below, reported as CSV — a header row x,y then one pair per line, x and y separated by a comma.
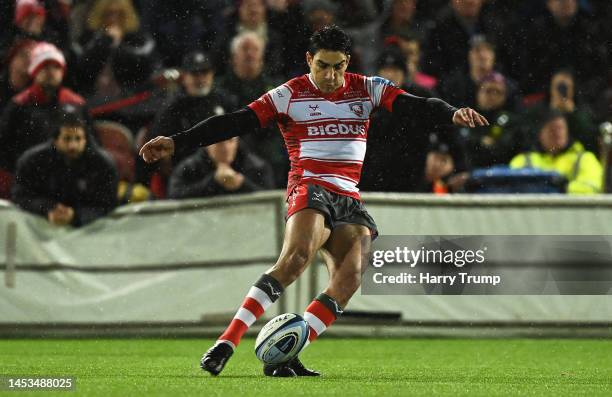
x,y
305,233
343,254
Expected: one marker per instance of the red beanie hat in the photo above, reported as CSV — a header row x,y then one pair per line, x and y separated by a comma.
x,y
44,53
25,8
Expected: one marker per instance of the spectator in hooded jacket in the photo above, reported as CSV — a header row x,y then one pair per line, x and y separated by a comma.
x,y
68,180
504,137
26,120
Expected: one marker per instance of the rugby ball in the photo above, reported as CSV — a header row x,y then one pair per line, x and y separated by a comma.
x,y
281,339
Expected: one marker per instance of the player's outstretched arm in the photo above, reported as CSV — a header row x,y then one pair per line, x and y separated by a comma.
x,y
212,130
438,111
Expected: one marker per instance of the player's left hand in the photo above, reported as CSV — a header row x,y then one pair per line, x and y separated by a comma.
x,y
468,117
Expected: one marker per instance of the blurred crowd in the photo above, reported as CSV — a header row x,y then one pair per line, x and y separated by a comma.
x,y
84,83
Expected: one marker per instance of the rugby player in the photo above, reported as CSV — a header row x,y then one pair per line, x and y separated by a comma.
x,y
324,119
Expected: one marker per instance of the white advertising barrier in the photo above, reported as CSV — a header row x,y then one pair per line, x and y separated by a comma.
x,y
191,261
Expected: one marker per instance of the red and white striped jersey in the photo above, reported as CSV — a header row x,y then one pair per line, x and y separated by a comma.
x,y
325,134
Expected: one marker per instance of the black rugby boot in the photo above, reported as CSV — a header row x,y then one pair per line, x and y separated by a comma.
x,y
216,357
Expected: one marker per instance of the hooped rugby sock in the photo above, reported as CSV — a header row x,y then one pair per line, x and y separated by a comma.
x,y
320,315
261,296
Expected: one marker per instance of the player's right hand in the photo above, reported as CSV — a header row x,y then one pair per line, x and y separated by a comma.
x,y
156,149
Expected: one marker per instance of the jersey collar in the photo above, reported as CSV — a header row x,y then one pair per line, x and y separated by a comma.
x,y
332,95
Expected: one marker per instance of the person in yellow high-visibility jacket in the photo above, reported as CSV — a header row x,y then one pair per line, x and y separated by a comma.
x,y
557,152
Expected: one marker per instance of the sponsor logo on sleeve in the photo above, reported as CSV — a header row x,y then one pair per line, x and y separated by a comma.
x,y
383,81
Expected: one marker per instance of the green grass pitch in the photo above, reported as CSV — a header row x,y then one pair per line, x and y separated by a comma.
x,y
351,367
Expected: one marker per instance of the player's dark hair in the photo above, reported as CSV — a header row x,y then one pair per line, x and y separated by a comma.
x,y
330,38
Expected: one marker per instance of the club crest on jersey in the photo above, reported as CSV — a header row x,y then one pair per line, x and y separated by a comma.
x,y
357,108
